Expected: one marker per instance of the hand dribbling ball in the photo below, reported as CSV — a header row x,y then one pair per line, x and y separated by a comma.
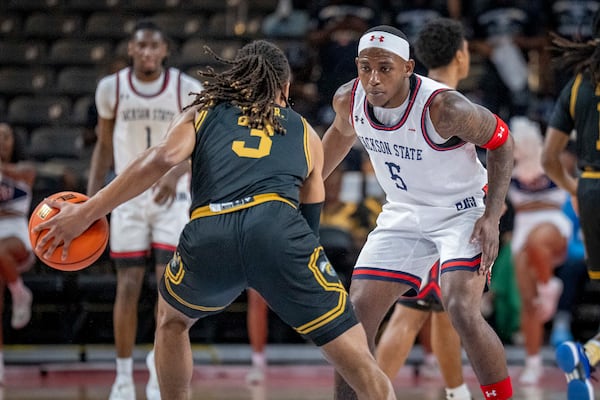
x,y
84,249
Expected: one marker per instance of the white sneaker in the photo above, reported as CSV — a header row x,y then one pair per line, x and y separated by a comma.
x,y
256,376
122,390
531,374
152,388
21,308
547,298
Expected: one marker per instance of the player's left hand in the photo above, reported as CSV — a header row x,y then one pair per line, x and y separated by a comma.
x,y
486,233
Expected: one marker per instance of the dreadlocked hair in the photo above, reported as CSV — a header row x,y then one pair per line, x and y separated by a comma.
x,y
578,56
259,70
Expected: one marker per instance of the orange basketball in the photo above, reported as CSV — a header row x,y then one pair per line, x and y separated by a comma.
x,y
84,249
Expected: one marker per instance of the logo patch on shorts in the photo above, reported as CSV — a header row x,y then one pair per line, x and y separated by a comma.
x,y
174,271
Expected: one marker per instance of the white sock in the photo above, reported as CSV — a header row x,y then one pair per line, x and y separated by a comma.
x,y
533,361
125,369
259,360
17,287
461,392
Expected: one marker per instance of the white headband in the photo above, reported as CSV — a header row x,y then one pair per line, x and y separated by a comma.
x,y
386,41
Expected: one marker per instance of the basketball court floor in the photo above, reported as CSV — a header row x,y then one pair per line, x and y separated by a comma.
x,y
310,378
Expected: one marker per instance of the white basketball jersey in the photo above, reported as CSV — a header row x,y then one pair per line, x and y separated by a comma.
x,y
141,121
413,164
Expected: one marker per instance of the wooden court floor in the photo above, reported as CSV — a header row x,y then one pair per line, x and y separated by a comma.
x,y
285,382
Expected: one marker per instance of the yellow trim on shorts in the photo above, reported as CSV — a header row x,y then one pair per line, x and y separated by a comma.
x,y
177,278
185,303
573,99
591,174
205,211
328,286
594,274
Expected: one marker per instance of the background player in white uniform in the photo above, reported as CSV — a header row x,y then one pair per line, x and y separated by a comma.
x,y
539,241
135,106
420,136
16,181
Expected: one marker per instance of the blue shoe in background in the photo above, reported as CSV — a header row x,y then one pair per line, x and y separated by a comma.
x,y
571,358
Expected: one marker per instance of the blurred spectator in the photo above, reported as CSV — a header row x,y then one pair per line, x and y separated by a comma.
x,y
289,20
539,241
16,182
505,31
411,15
337,25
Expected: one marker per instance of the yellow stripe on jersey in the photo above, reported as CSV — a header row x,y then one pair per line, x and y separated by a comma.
x,y
307,145
591,174
328,286
574,90
200,119
594,274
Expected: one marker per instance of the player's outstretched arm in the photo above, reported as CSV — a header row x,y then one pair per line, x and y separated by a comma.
x,y
340,136
140,174
454,115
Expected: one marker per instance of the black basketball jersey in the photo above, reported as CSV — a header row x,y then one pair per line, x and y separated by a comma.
x,y
578,107
232,161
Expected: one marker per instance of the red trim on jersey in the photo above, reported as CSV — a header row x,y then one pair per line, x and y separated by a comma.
x,y
129,254
179,91
433,145
500,135
411,102
162,89
117,98
163,246
352,98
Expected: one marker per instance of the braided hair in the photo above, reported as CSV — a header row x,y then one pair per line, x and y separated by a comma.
x,y
259,70
580,56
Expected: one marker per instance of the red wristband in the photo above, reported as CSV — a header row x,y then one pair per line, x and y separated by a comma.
x,y
500,135
498,391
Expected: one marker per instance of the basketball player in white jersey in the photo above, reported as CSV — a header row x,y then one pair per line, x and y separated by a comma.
x,y
420,136
135,106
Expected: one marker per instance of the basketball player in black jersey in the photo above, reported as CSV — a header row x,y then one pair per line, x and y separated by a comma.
x,y
256,190
578,108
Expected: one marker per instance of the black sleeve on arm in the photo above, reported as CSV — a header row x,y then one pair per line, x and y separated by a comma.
x,y
312,214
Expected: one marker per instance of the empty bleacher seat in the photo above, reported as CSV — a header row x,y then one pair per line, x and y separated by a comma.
x,y
192,51
204,5
109,25
96,5
52,26
180,26
10,25
77,80
34,5
150,6
76,51
29,52
39,110
81,110
16,80
48,142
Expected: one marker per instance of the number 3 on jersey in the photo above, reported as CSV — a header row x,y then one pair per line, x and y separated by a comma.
x,y
264,145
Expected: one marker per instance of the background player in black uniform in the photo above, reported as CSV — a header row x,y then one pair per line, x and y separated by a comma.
x,y
578,108
256,170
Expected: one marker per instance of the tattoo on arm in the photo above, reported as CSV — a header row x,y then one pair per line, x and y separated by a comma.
x,y
457,116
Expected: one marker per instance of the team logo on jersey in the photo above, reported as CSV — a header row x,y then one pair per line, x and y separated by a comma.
x,y
469,202
357,119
